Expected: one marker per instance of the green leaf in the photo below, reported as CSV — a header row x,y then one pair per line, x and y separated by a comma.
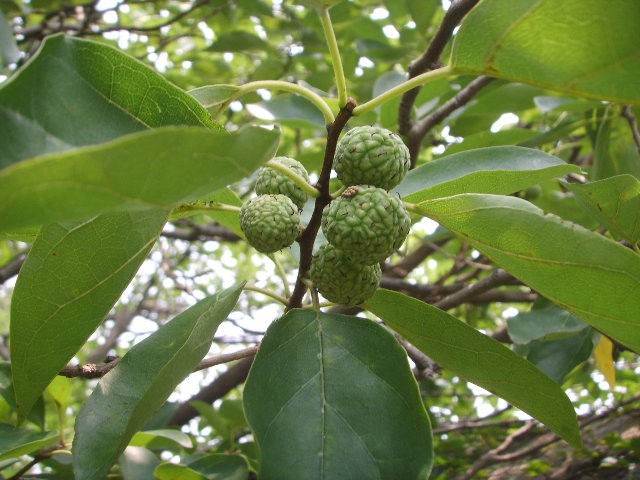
x,y
498,170
290,110
129,394
212,95
585,273
16,442
542,324
347,381
163,438
172,471
556,45
71,278
238,41
490,139
99,92
558,357
158,168
221,467
9,52
36,415
614,202
479,359
138,463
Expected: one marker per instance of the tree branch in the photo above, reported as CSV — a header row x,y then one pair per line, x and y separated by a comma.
x,y
227,381
495,279
429,59
627,112
307,239
11,269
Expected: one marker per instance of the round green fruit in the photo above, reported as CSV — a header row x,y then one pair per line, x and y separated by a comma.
x,y
270,222
371,156
341,281
272,182
366,223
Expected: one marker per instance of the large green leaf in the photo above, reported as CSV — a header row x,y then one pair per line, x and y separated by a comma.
x,y
332,396
498,170
71,278
583,272
479,359
129,394
221,467
78,92
555,44
158,168
16,442
614,202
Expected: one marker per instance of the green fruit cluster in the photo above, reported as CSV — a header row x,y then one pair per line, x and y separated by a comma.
x,y
366,223
271,221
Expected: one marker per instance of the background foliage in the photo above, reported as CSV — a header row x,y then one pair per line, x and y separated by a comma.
x,y
117,190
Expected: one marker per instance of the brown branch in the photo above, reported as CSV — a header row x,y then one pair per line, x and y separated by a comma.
x,y
227,381
429,59
308,238
11,269
93,370
627,112
213,231
89,370
495,279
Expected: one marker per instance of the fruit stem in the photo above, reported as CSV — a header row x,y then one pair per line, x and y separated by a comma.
x,y
402,88
298,179
313,97
282,273
266,292
200,206
339,192
330,36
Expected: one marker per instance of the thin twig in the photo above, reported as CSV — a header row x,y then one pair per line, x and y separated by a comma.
x,y
93,370
627,112
495,279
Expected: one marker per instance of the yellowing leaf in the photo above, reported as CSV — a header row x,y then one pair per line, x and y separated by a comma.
x,y
604,360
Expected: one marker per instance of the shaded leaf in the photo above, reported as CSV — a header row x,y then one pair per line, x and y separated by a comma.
x,y
221,467
585,273
542,324
238,41
498,170
288,109
479,359
163,438
172,471
159,168
71,278
557,358
361,411
16,442
212,95
614,202
130,394
138,463
556,45
99,91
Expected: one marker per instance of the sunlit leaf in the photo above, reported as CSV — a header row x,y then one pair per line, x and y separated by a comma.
x,y
556,45
585,273
478,358
604,360
325,402
129,394
71,278
498,170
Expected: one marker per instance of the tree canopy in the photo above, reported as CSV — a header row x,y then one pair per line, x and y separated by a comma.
x,y
141,334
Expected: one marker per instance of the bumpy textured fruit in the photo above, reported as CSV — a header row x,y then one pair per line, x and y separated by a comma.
x,y
366,223
341,281
270,181
371,156
270,222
